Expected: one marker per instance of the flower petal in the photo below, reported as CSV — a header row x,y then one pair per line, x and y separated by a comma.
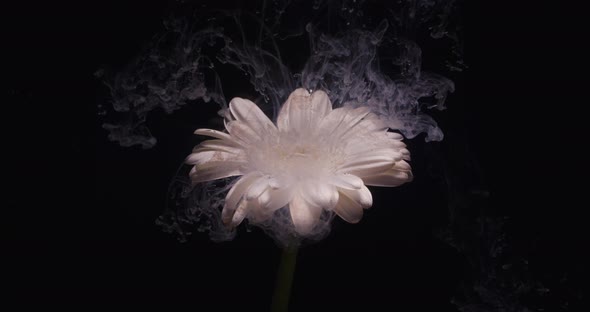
x,y
322,195
218,145
369,165
395,176
284,119
240,213
203,157
395,136
405,154
361,196
215,134
334,120
214,170
256,213
242,134
320,105
352,120
251,115
257,188
402,165
303,214
372,122
275,183
235,195
347,181
268,202
303,111
276,199
367,152
349,210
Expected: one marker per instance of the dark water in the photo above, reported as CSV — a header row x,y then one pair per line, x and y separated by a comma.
x,y
480,228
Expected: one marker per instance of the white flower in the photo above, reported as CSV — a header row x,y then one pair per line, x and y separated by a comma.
x,y
315,158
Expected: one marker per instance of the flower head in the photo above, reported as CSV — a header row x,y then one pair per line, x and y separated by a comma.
x,y
316,158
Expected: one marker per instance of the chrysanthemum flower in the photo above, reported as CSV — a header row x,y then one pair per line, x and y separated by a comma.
x,y
315,158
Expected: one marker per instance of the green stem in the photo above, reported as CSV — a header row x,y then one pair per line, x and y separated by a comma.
x,y
280,299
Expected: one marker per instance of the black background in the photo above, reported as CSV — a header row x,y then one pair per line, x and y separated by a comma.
x,y
80,210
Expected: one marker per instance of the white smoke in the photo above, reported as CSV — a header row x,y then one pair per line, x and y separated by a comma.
x,y
348,68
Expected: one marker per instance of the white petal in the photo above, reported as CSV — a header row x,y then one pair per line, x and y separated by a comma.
x,y
215,134
347,181
369,152
265,198
363,166
276,199
361,196
255,213
257,188
367,127
402,165
198,158
320,105
372,122
284,118
392,177
348,209
242,133
251,115
235,195
333,120
397,144
303,111
263,207
375,143
344,124
218,145
405,154
240,213
275,183
322,195
353,118
303,214
214,170
395,136
202,157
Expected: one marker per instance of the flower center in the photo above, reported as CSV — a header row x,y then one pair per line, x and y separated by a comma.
x,y
294,159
